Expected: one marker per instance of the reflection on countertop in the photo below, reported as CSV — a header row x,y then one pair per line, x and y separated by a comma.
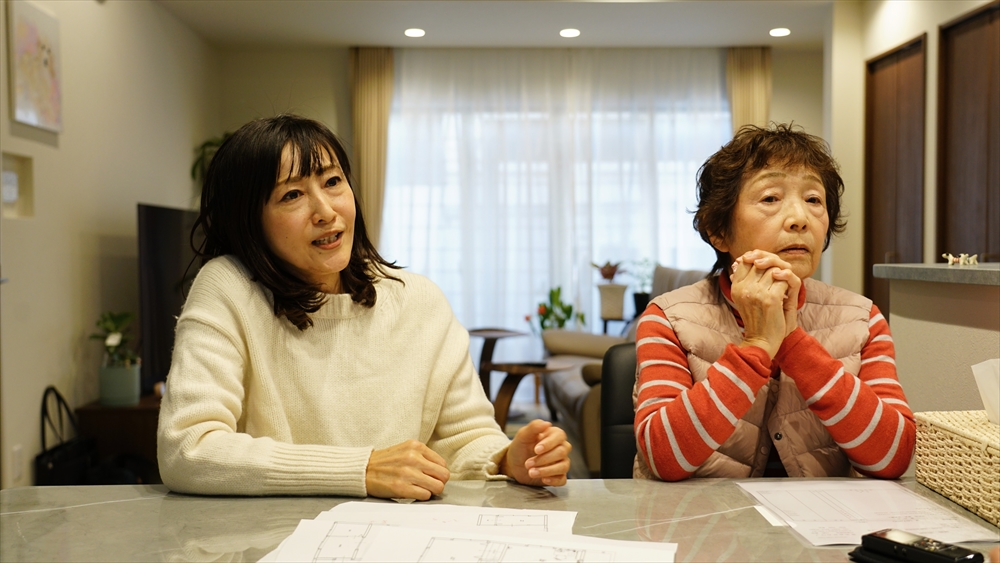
x,y
709,519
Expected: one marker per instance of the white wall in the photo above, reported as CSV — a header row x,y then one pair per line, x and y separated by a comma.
x,y
797,94
843,126
310,82
797,88
941,330
137,96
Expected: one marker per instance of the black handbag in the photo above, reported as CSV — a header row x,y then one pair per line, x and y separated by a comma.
x,y
69,462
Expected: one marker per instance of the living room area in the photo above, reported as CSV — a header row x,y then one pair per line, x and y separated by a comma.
x,y
497,206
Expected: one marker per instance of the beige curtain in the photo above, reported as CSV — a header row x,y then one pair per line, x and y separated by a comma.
x,y
371,98
748,81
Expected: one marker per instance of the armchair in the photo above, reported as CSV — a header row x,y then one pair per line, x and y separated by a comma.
x,y
574,395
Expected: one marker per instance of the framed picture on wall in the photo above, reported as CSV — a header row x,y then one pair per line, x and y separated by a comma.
x,y
35,76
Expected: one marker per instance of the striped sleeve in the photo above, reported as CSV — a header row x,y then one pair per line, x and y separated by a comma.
x,y
866,414
679,423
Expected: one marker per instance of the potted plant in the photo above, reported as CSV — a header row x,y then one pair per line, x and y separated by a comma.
x,y
119,372
642,273
608,270
555,313
612,294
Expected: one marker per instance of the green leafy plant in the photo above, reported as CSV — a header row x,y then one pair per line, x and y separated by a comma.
x,y
114,328
642,273
555,313
203,156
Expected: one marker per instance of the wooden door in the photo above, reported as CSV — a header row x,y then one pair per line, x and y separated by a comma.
x,y
969,136
894,163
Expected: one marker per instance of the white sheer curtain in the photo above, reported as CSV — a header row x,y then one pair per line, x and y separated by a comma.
x,y
510,171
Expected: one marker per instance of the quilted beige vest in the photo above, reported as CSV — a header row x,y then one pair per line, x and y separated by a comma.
x,y
704,324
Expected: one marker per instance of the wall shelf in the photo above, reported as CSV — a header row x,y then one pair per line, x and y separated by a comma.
x,y
18,189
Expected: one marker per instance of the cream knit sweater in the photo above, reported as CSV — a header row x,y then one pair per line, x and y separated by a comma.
x,y
255,406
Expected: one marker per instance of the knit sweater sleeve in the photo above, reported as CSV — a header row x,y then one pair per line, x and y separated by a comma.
x,y
466,433
679,423
201,448
865,413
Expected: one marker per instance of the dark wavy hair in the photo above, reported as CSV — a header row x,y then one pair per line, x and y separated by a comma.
x,y
751,150
238,183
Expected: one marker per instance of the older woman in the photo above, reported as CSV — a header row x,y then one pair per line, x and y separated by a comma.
x,y
304,363
760,370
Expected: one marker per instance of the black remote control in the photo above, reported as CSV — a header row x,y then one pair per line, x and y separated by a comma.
x,y
905,546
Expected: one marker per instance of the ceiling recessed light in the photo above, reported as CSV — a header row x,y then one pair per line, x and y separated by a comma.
x,y
570,32
414,32
780,32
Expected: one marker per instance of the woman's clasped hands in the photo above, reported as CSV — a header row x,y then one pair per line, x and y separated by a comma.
x,y
766,294
538,455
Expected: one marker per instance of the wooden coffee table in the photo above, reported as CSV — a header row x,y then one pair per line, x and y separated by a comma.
x,y
490,337
515,373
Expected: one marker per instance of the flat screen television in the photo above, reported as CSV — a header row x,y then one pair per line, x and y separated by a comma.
x,y
164,255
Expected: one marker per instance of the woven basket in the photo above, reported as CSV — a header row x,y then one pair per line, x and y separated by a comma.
x,y
958,455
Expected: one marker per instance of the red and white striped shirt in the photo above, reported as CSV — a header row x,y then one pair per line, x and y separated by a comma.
x,y
679,423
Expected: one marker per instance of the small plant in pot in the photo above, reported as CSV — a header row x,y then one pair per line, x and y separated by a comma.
x,y
119,372
642,273
611,293
555,313
608,270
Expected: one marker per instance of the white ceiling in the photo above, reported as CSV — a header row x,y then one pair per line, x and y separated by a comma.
x,y
522,23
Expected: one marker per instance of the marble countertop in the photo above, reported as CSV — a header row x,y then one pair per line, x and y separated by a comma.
x,y
708,519
980,274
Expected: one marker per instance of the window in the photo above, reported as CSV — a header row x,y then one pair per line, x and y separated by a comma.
x,y
510,171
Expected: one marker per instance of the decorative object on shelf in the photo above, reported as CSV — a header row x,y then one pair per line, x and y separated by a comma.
x,y
612,302
35,66
608,270
961,259
612,294
119,373
642,273
555,313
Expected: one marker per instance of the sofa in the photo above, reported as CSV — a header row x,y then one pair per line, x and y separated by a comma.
x,y
574,395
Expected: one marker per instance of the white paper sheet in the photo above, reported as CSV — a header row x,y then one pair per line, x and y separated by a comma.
x,y
771,517
832,512
445,517
326,541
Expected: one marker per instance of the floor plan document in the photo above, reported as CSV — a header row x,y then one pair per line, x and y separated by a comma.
x,y
840,511
473,519
327,541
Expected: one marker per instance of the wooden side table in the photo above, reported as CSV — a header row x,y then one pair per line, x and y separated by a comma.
x,y
515,373
124,430
490,337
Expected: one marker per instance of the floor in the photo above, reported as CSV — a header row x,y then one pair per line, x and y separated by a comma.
x,y
528,411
